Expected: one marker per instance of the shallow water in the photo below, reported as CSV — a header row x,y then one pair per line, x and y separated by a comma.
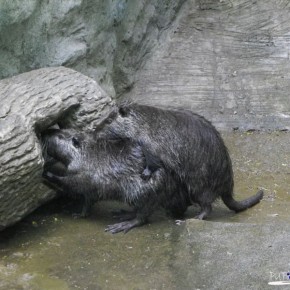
x,y
52,250
55,251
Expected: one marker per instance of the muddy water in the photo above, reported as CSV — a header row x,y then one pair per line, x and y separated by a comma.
x,y
51,250
55,251
262,160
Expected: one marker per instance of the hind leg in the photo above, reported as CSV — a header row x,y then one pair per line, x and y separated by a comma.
x,y
146,200
142,210
205,211
204,200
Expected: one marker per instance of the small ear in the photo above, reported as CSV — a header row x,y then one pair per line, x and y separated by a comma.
x,y
123,111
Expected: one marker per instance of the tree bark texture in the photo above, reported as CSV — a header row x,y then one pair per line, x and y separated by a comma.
x,y
30,103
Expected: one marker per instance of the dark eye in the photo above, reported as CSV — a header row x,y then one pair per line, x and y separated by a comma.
x,y
123,112
76,142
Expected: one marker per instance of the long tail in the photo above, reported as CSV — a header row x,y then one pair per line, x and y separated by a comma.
x,y
243,204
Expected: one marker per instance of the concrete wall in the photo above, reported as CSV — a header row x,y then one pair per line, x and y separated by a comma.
x,y
227,60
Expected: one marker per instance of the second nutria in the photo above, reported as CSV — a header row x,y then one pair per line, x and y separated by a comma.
x,y
186,145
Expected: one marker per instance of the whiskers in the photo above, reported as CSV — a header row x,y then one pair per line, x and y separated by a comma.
x,y
44,145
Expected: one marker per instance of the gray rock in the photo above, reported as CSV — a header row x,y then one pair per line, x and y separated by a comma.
x,y
105,40
227,60
214,255
30,103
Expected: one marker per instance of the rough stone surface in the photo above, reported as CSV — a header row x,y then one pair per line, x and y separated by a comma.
x,y
228,60
105,40
30,103
213,255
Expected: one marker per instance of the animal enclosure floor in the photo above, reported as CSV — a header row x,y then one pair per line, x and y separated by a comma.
x,y
51,250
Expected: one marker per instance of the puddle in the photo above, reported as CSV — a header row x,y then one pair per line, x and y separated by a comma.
x,y
51,250
55,251
262,160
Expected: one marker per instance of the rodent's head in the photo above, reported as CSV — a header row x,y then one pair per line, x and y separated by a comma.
x,y
62,145
120,125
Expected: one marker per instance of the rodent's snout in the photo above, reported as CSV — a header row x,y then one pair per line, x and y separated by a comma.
x,y
47,134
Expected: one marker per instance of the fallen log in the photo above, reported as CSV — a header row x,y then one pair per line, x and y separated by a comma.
x,y
30,103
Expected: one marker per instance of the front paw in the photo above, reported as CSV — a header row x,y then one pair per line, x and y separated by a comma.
x,y
52,180
48,175
56,168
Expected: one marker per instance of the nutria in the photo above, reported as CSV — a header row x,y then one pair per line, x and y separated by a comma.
x,y
187,146
100,169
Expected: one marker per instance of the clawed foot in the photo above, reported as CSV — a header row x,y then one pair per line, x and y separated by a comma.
x,y
125,226
179,222
123,215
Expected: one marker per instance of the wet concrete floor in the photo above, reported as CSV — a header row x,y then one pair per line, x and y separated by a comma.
x,y
52,250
